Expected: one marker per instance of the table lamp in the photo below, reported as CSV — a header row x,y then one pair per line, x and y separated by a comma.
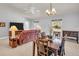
x,y
38,27
13,29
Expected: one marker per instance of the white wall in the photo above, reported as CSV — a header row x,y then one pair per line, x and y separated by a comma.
x,y
4,30
69,22
45,24
8,15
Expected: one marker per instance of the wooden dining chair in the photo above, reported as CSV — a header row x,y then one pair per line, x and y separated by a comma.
x,y
42,48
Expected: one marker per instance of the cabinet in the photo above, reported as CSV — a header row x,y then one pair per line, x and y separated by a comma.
x,y
13,42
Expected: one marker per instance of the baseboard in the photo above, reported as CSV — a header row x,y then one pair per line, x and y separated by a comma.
x,y
6,37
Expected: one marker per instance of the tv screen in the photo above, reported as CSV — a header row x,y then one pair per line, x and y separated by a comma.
x,y
18,25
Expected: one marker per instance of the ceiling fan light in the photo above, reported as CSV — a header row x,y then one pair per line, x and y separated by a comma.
x,y
53,11
47,11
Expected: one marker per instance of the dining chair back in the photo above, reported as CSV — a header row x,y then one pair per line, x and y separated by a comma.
x,y
42,47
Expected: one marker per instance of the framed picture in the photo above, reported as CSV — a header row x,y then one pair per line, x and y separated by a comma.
x,y
56,24
2,24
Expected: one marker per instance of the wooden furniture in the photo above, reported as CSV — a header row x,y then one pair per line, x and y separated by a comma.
x,y
56,49
13,42
53,47
16,32
42,48
71,34
34,49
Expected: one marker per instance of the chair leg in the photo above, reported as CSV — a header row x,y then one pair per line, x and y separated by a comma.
x,y
33,48
63,53
56,53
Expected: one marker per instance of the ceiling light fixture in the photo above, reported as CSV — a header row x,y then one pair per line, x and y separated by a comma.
x,y
51,11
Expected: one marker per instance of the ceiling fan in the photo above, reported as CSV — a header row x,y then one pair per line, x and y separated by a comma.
x,y
34,11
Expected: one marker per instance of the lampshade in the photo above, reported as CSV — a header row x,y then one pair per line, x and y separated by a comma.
x,y
38,27
13,28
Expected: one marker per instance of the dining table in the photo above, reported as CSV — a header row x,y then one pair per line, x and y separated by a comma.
x,y
54,47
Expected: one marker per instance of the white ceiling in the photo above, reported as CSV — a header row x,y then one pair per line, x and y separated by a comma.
x,y
37,10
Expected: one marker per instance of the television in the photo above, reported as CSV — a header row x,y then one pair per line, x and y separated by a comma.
x,y
18,25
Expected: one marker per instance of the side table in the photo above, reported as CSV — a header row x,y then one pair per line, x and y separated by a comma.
x,y
13,42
